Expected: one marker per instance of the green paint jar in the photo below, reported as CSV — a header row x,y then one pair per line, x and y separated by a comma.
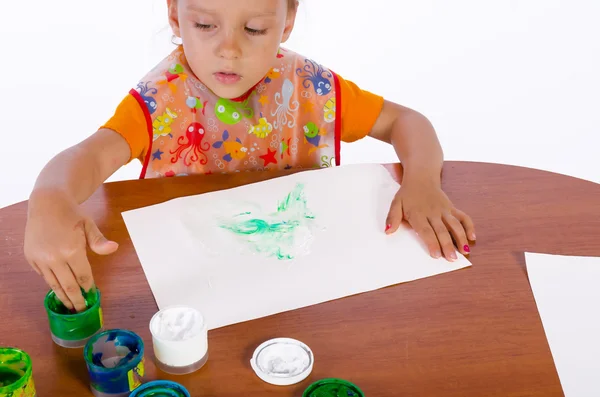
x,y
16,376
74,330
333,388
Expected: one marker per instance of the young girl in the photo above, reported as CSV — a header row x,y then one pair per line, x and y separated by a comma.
x,y
230,99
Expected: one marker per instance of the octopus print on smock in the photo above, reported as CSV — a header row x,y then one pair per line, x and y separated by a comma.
x,y
288,120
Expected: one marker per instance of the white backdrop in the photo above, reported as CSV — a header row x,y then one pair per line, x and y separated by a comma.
x,y
505,81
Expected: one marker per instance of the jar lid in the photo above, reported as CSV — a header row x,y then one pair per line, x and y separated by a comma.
x,y
282,361
333,387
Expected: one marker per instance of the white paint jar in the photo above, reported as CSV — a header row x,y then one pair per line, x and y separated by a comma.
x,y
179,339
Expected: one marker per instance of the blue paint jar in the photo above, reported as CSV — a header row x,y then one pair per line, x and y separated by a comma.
x,y
161,388
115,362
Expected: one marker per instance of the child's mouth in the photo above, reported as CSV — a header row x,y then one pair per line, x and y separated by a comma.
x,y
227,77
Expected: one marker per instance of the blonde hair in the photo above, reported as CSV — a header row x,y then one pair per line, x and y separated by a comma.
x,y
292,4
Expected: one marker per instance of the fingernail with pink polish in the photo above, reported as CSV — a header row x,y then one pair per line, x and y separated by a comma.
x,y
466,248
388,227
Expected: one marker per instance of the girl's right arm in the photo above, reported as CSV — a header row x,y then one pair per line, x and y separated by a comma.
x,y
57,232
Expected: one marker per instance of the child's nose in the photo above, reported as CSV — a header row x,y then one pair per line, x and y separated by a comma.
x,y
229,47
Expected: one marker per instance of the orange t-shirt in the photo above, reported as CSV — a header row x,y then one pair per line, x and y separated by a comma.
x,y
360,110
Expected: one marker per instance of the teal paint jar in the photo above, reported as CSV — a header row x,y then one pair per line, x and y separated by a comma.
x,y
161,388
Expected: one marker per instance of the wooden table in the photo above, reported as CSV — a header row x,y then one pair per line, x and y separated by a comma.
x,y
473,332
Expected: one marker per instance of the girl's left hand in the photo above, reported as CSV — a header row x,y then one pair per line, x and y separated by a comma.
x,y
434,218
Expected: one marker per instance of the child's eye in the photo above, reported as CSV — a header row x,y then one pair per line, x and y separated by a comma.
x,y
202,26
256,32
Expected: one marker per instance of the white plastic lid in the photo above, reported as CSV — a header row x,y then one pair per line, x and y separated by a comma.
x,y
282,361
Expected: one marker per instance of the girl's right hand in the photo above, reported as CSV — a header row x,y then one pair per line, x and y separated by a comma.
x,y
56,239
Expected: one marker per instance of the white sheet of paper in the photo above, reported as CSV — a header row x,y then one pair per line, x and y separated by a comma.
x,y
567,296
188,259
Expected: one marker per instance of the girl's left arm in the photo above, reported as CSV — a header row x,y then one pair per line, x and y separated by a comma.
x,y
420,200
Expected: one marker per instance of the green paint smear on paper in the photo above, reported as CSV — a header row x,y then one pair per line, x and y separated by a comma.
x,y
282,232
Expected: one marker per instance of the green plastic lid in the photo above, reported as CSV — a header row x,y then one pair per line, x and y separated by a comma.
x,y
333,388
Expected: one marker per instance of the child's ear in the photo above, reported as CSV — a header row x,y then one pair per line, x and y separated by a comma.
x,y
173,17
289,22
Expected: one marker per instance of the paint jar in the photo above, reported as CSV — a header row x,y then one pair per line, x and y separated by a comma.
x,y
180,340
115,362
332,388
16,376
160,388
74,330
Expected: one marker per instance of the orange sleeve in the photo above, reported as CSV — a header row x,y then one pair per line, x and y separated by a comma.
x,y
360,110
130,122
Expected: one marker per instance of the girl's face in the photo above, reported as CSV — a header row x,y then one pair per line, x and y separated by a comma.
x,y
230,45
